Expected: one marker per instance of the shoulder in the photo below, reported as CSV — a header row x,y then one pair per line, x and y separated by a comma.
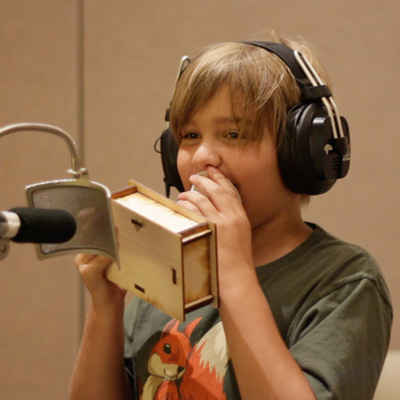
x,y
322,270
323,257
346,263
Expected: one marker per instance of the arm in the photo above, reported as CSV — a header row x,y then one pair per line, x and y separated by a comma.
x,y
263,365
99,370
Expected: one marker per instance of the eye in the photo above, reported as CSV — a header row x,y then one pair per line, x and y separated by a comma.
x,y
167,348
190,135
232,135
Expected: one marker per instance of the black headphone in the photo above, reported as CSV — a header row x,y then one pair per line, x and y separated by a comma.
x,y
314,149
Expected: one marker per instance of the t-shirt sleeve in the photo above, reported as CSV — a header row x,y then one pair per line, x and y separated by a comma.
x,y
130,317
340,342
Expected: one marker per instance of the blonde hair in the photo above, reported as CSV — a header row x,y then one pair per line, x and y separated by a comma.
x,y
261,85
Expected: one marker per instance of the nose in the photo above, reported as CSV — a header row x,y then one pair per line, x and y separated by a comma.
x,y
206,155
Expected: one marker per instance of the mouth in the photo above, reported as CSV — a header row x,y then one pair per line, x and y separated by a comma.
x,y
171,376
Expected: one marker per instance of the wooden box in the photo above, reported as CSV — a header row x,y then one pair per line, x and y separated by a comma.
x,y
167,254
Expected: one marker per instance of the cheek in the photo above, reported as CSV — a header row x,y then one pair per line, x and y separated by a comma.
x,y
183,164
260,180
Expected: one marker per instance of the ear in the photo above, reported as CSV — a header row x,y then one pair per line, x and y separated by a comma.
x,y
190,327
172,326
169,154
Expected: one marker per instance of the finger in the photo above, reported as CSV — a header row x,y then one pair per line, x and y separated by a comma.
x,y
205,184
199,203
84,258
92,260
92,271
217,176
217,189
189,206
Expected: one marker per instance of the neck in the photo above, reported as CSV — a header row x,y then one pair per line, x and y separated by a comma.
x,y
278,237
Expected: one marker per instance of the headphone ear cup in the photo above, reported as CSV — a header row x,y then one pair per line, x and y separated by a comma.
x,y
305,164
169,155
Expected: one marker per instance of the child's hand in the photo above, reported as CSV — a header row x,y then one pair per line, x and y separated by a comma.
x,y
92,269
219,202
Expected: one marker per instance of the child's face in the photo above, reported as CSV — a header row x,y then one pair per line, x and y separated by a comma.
x,y
210,138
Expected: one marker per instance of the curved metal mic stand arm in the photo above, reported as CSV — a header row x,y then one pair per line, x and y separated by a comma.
x,y
76,169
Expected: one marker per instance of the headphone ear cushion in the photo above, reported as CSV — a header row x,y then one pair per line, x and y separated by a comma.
x,y
301,150
169,155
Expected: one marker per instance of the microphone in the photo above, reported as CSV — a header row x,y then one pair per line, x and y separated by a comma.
x,y
37,225
54,234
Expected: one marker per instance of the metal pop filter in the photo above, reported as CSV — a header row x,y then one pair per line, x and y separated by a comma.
x,y
89,203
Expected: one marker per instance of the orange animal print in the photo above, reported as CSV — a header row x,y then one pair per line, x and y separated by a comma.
x,y
179,370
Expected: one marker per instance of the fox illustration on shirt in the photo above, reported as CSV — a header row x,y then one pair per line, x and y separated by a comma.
x,y
180,370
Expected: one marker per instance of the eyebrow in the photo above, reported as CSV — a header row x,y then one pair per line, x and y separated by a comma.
x,y
219,121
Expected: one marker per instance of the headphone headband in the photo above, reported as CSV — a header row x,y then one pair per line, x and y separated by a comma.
x,y
309,91
286,54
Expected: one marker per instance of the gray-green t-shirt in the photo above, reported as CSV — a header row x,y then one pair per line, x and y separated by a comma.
x,y
332,308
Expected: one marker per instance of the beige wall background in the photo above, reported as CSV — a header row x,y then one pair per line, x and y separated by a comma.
x,y
104,71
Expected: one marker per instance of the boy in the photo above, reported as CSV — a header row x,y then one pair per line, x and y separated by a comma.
x,y
302,314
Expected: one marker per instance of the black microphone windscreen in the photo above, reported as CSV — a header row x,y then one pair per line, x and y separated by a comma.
x,y
42,225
